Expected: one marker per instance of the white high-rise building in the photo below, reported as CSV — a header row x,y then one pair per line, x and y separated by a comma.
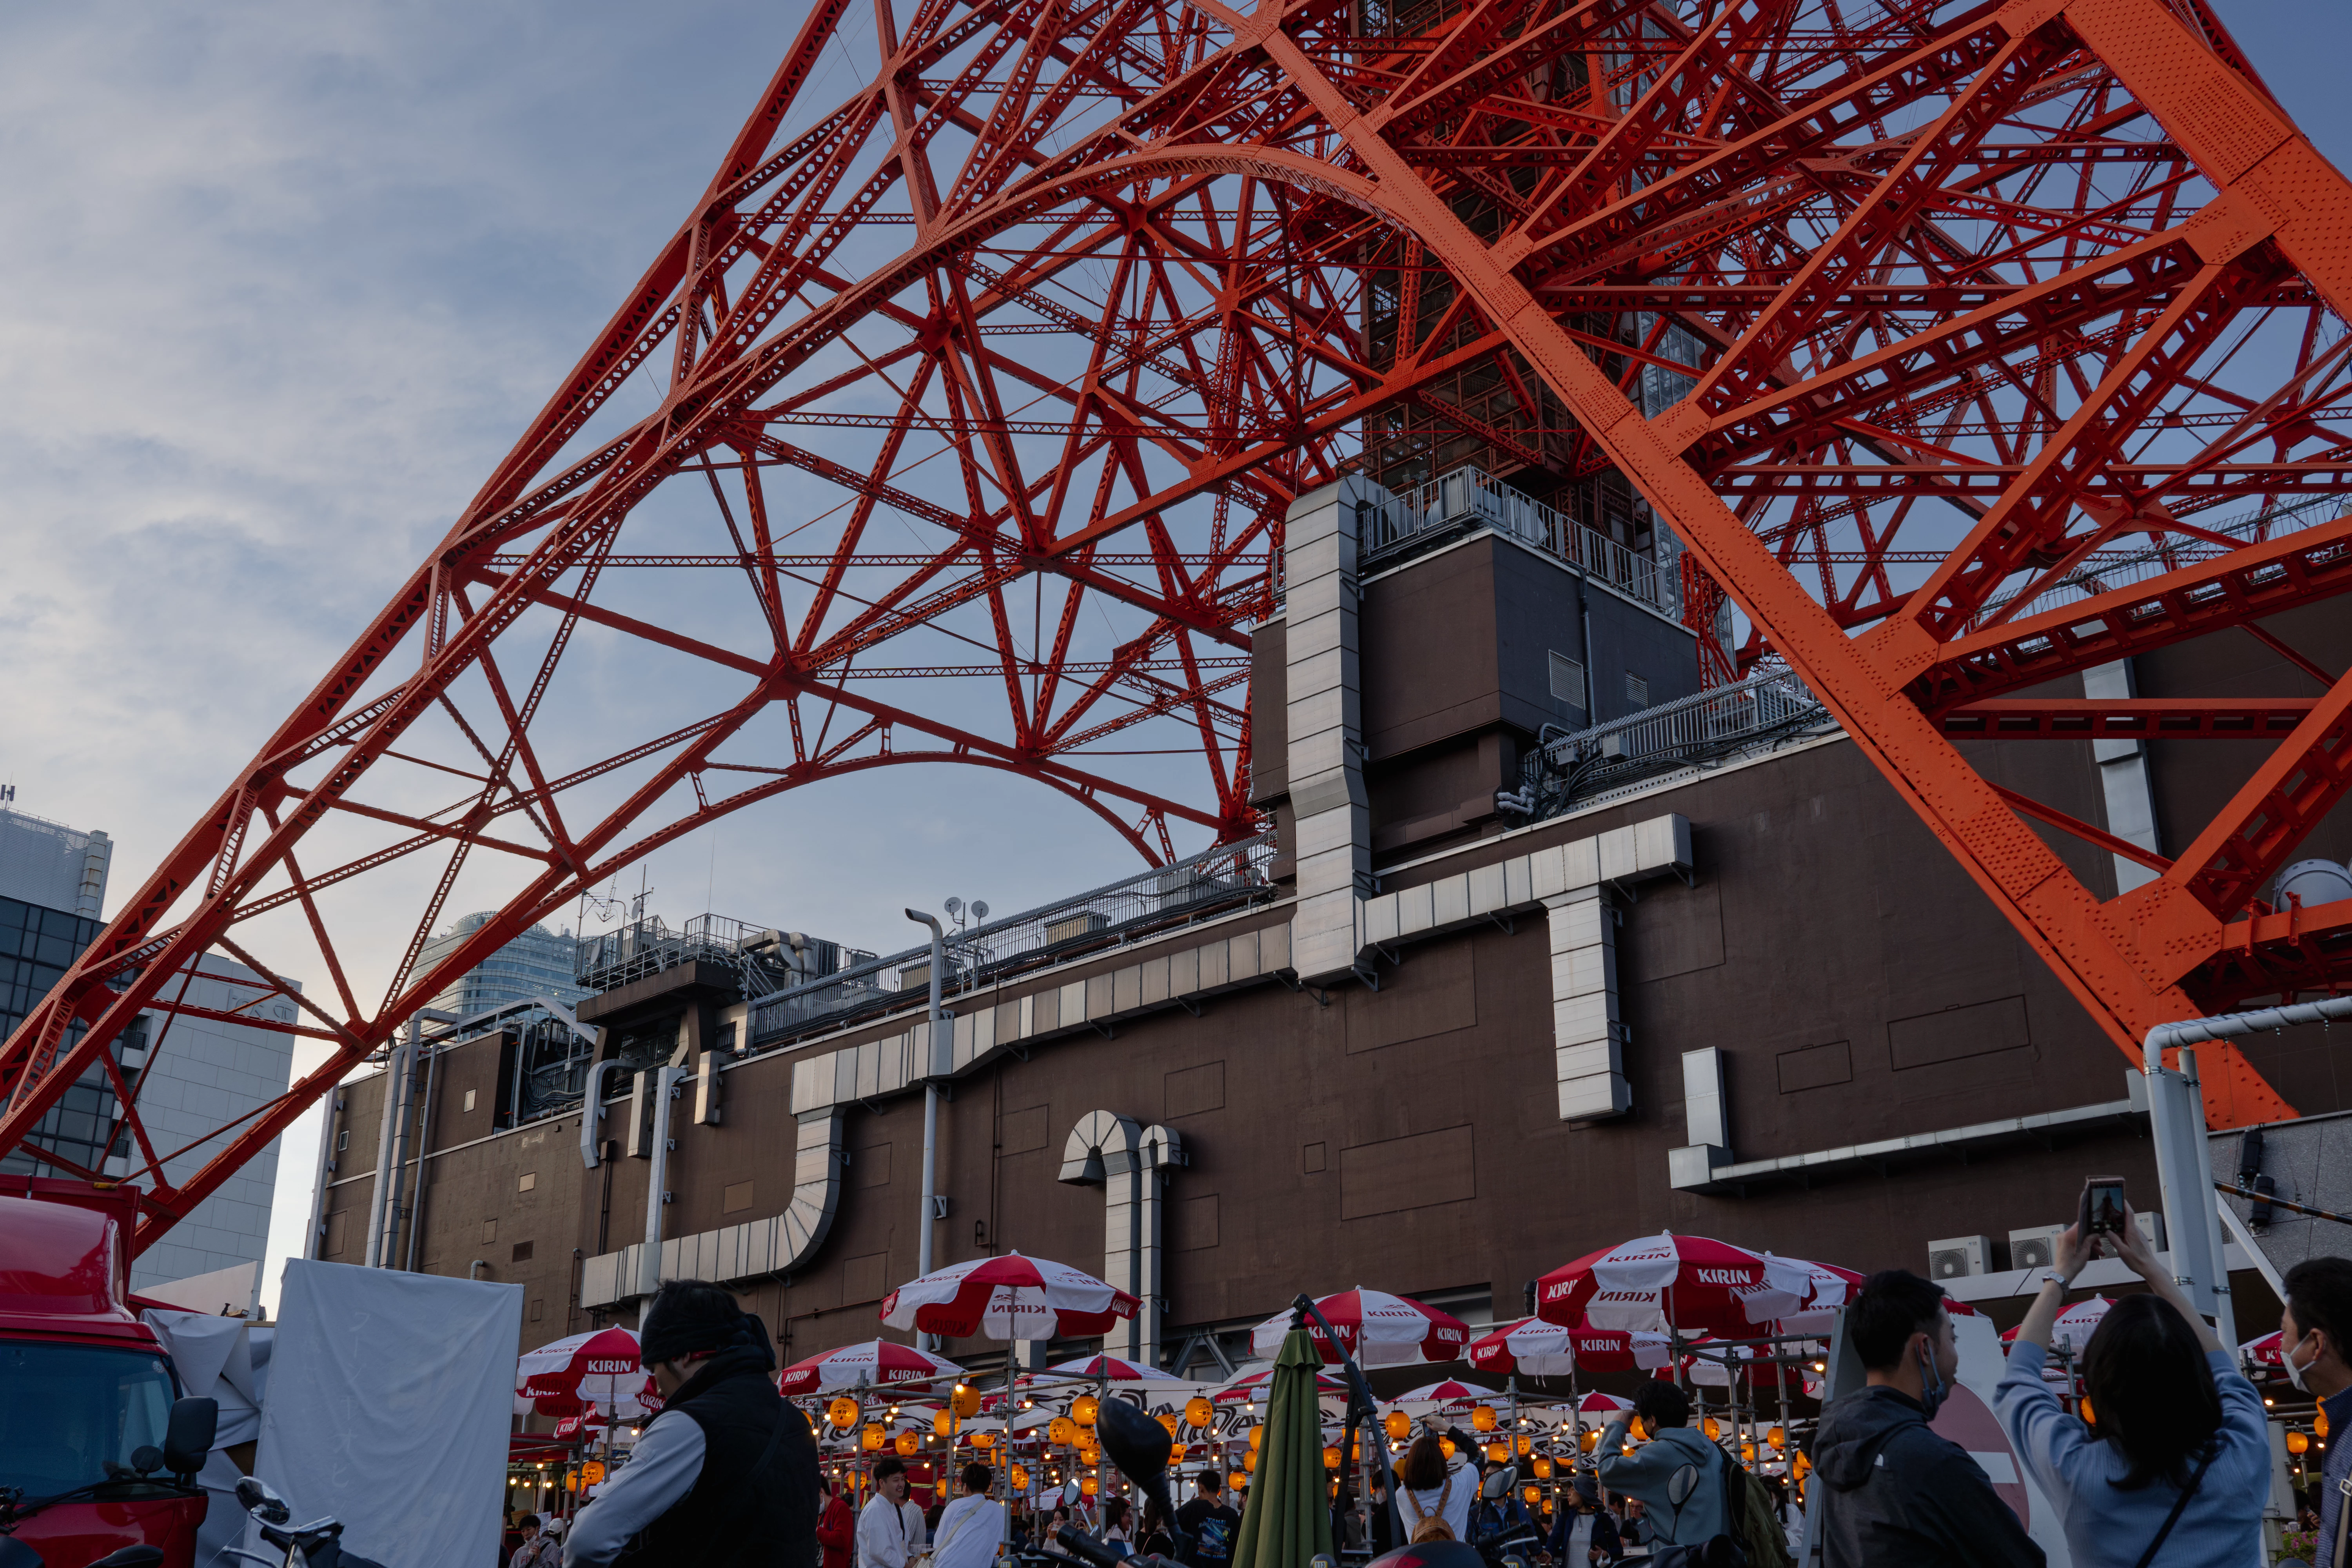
x,y
50,863
191,1075
537,964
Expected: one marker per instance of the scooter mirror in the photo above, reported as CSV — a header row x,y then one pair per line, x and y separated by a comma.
x,y
188,1435
146,1459
1071,1494
1498,1485
15,1553
257,1499
1140,1445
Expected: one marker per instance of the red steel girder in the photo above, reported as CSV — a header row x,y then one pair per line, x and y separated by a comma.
x,y
2137,719
1061,306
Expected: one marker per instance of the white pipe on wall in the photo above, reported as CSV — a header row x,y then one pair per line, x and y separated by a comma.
x,y
665,1085
930,1108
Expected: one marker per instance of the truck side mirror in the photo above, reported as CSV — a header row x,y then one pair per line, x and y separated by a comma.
x,y
188,1438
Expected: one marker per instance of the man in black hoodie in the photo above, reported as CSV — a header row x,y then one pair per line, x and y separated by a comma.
x,y
1896,1492
726,1476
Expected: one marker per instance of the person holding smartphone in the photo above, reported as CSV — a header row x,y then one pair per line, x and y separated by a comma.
x,y
2177,1466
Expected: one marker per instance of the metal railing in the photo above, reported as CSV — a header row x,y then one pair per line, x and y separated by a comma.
x,y
1766,709
1470,498
763,957
1232,875
2105,571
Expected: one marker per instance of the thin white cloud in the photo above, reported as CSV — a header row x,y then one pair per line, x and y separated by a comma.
x,y
281,283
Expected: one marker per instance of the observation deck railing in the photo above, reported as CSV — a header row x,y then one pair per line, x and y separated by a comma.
x,y
1469,497
1768,709
1215,881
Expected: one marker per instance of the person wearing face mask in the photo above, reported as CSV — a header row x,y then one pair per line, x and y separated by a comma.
x,y
1893,1490
2315,1338
2179,1463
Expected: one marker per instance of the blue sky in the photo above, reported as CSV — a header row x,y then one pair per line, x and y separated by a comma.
x,y
283,282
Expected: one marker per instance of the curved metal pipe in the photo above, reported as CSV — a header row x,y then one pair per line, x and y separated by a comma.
x,y
592,1113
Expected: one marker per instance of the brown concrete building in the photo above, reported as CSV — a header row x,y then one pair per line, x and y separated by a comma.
x,y
1414,1041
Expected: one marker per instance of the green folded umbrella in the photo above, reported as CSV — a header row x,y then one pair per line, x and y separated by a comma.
x,y
1288,1520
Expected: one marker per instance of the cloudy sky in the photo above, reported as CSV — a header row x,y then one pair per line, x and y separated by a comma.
x,y
285,280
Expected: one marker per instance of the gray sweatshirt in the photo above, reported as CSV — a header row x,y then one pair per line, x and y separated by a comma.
x,y
1678,1476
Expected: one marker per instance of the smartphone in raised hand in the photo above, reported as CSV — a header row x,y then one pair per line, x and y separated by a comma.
x,y
2102,1210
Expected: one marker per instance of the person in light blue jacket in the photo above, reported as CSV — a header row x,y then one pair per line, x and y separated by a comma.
x,y
2177,1465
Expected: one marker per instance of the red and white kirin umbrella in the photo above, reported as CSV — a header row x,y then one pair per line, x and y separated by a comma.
x,y
2265,1354
876,1363
1111,1369
1554,1350
1832,1287
1683,1282
1713,1366
1008,1298
600,1367
539,1396
2073,1325
1453,1396
1602,1406
1255,1385
1375,1328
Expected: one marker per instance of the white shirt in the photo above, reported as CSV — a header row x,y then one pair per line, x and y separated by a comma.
x,y
662,1469
1459,1490
883,1542
971,1529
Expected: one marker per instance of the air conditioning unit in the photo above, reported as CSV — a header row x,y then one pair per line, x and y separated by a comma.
x,y
2034,1247
2151,1227
1958,1257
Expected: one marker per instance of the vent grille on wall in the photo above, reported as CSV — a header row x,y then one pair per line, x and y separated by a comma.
x,y
1637,691
1568,681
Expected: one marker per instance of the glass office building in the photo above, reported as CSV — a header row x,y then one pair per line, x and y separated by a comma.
x,y
536,964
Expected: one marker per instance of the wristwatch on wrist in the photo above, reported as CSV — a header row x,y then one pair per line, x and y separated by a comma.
x,y
2051,1276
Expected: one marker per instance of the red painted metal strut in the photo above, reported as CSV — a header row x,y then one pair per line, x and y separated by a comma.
x,y
1966,350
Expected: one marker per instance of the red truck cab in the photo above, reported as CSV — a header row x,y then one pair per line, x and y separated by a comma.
x,y
84,1385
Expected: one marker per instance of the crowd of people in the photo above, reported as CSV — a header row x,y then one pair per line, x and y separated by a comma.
x,y
2166,1458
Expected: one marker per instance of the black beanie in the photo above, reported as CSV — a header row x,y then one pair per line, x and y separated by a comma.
x,y
688,1316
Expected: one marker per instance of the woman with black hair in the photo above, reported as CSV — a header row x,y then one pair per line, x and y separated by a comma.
x,y
1157,1536
2177,1466
1117,1531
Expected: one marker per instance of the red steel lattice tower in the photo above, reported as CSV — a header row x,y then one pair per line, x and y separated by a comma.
x,y
1996,343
